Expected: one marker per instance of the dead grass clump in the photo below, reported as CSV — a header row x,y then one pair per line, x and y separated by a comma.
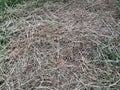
x,y
62,47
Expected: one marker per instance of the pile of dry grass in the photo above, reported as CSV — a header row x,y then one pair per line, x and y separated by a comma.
x,y
62,46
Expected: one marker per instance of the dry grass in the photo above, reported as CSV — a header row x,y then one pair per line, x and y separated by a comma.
x,y
61,46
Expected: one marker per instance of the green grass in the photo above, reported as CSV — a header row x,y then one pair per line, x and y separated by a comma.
x,y
4,3
4,43
4,40
12,3
118,8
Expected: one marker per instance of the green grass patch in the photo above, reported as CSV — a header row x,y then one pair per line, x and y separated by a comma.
x,y
12,3
4,3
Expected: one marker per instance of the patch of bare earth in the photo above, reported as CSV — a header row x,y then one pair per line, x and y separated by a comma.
x,y
60,46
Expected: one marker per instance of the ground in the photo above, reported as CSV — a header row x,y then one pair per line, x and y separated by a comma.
x,y
62,46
